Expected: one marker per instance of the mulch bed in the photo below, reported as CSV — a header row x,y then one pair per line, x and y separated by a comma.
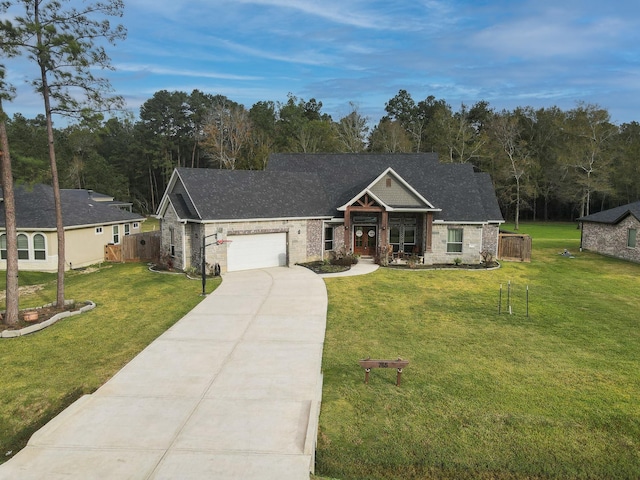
x,y
44,314
443,266
321,267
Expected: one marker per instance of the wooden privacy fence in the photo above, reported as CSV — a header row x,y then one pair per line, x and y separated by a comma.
x,y
514,247
134,248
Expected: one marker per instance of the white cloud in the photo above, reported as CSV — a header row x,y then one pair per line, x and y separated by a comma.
x,y
179,72
551,34
303,57
347,13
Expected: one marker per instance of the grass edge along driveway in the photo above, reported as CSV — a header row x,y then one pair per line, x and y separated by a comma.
x,y
552,395
43,373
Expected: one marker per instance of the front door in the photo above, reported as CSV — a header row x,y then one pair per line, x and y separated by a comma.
x,y
365,240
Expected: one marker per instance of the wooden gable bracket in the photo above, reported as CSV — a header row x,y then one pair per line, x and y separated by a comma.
x,y
367,203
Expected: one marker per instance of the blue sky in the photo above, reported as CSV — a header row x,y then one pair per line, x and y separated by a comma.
x,y
508,52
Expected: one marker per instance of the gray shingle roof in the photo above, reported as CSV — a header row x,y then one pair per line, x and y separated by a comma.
x,y
462,194
80,194
35,209
315,185
235,194
614,215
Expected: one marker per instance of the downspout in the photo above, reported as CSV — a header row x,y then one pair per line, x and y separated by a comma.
x,y
581,226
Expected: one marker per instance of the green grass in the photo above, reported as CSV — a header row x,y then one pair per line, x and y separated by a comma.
x,y
42,373
150,224
552,395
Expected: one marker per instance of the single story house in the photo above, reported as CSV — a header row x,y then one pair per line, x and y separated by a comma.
x,y
613,232
91,221
304,206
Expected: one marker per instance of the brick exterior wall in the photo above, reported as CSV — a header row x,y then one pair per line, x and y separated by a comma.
x,y
170,222
307,245
611,240
301,247
338,238
315,237
490,238
472,245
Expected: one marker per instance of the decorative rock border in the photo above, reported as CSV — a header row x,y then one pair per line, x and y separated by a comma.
x,y
40,326
152,268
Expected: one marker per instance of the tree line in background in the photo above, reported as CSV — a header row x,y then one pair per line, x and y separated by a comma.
x,y
545,163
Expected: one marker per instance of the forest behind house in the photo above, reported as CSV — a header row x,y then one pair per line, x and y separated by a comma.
x,y
546,163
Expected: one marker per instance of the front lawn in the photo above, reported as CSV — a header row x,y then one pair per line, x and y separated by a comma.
x,y
44,372
552,395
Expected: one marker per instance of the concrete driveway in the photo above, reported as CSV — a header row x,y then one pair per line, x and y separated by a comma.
x,y
232,391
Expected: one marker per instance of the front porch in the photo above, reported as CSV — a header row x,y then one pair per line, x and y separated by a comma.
x,y
393,223
398,236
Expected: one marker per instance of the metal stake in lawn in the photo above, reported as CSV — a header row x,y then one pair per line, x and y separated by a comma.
x,y
509,299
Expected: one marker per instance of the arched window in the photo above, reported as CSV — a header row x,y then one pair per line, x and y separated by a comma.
x,y
3,246
23,247
39,247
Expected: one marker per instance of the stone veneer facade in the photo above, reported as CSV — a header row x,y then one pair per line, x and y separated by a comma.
x,y
305,240
490,239
171,226
611,240
472,238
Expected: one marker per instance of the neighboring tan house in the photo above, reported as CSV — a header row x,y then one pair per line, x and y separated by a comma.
x,y
613,232
91,221
305,205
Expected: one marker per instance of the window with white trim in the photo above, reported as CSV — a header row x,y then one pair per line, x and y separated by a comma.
x,y
39,247
23,247
98,230
136,225
126,229
116,234
631,237
454,240
3,246
172,245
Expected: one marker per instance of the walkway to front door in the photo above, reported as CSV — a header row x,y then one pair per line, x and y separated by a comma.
x,y
365,240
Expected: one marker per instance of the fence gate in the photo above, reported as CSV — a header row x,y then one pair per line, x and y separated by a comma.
x,y
112,253
141,247
514,247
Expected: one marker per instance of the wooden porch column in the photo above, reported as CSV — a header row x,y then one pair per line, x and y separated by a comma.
x,y
429,231
347,229
384,226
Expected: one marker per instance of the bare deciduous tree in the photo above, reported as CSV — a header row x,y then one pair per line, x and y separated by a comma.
x,y
227,132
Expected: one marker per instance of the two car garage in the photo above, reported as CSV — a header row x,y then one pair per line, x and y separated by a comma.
x,y
261,250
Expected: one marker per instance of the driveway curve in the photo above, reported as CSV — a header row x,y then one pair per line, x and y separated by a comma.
x,y
231,391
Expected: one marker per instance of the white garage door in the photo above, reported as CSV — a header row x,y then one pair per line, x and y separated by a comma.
x,y
256,251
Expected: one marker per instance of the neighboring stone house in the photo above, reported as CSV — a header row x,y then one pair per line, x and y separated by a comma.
x,y
91,221
613,232
306,205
